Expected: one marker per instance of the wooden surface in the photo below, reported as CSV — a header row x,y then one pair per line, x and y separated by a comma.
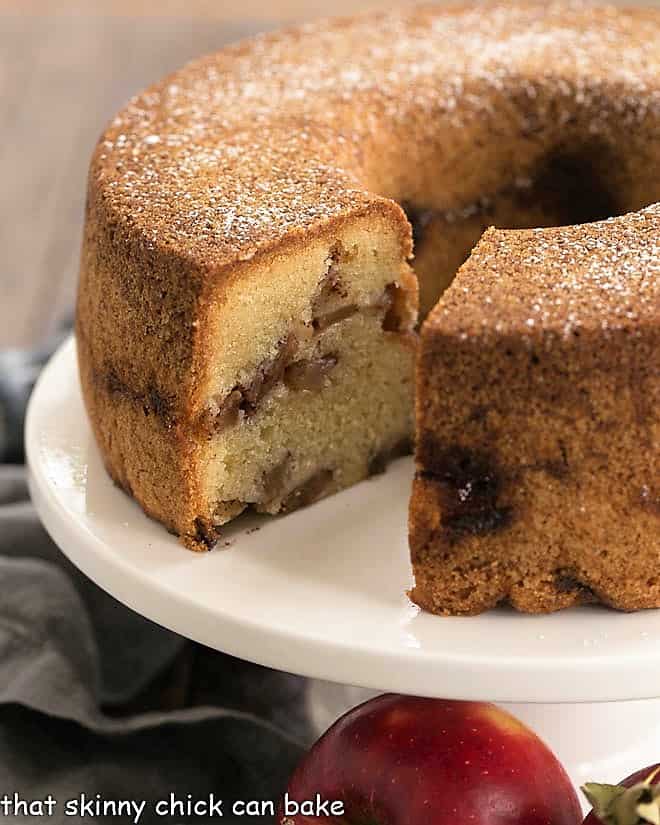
x,y
226,10
257,11
65,67
61,79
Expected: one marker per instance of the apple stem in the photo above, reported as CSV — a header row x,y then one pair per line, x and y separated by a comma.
x,y
618,805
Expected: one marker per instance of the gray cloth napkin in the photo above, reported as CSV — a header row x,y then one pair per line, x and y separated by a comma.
x,y
71,657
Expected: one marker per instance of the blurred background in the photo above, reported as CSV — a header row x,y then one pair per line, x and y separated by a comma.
x,y
66,66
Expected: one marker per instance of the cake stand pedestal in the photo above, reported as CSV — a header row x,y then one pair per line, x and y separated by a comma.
x,y
601,741
322,593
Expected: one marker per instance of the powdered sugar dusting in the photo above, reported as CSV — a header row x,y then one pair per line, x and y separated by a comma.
x,y
271,136
560,282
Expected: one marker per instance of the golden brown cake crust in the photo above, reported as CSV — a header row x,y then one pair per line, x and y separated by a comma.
x,y
254,151
538,413
278,134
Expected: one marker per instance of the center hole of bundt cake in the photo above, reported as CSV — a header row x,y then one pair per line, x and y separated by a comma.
x,y
569,185
574,186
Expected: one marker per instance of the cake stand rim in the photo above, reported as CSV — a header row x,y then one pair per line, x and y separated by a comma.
x,y
475,676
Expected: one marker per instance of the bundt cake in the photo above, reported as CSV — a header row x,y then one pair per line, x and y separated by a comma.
x,y
246,310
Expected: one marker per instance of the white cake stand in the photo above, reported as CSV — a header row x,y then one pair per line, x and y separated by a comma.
x,y
322,593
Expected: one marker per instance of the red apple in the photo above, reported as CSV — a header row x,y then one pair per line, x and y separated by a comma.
x,y
404,760
634,801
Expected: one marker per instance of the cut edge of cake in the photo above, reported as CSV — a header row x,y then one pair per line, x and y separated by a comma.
x,y
292,377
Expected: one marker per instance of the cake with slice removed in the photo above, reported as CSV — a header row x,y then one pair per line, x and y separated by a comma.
x,y
246,304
